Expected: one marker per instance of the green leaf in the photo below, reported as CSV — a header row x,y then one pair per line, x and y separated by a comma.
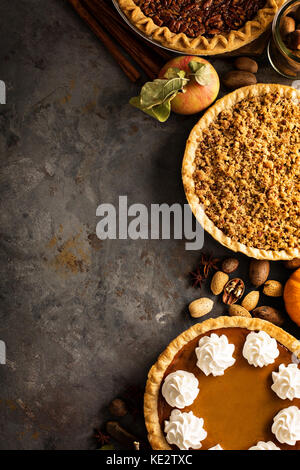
x,y
174,72
135,101
172,87
151,93
161,112
155,98
107,447
201,72
195,66
156,92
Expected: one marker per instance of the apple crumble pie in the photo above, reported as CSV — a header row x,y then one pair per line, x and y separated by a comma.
x,y
244,167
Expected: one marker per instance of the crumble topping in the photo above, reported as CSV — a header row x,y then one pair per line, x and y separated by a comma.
x,y
247,172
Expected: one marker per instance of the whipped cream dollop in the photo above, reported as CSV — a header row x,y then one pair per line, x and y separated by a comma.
x,y
261,445
214,354
260,349
185,430
286,382
217,447
286,425
180,389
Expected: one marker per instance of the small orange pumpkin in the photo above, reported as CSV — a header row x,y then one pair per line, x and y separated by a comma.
x,y
291,296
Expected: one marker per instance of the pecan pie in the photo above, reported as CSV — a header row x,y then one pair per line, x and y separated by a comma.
x,y
201,26
241,171
219,375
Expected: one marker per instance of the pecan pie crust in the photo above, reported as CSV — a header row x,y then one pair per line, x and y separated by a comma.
x,y
241,171
200,27
155,433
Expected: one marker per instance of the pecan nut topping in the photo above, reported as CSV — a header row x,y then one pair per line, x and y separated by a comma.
x,y
200,17
233,291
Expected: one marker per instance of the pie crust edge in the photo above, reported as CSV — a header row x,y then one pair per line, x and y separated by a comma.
x,y
155,434
188,168
201,45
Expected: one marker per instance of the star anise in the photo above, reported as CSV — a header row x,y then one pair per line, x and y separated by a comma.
x,y
101,437
197,278
208,263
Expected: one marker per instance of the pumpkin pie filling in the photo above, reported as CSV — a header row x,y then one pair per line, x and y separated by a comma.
x,y
238,407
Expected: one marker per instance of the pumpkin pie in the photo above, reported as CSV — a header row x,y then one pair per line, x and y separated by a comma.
x,y
202,27
219,375
241,171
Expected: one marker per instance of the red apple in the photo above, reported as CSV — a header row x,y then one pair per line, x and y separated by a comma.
x,y
196,97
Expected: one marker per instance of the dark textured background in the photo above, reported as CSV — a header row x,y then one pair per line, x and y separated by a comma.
x,y
82,319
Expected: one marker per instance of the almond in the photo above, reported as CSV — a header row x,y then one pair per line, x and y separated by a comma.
x,y
200,307
218,282
238,311
250,301
273,289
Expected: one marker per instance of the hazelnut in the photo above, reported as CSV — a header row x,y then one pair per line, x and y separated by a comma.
x,y
118,408
287,25
293,40
296,15
229,265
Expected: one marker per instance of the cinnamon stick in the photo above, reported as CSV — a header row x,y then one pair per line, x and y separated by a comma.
x,y
113,15
115,430
124,63
129,43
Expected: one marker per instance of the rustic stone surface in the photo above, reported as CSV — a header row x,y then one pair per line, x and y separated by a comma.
x,y
81,318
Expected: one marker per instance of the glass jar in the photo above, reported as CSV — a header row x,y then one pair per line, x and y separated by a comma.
x,y
284,60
